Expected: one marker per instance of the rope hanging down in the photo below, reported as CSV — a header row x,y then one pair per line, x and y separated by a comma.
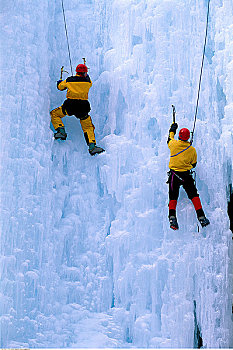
x,y
202,63
68,46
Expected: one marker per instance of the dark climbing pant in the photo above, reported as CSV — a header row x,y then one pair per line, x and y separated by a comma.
x,y
185,179
79,108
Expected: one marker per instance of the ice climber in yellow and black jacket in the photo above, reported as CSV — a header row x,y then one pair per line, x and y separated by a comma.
x,y
183,158
76,104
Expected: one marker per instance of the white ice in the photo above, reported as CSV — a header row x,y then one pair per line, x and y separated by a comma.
x,y
87,256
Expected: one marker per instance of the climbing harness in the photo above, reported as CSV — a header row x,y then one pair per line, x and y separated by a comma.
x,y
202,63
171,175
68,46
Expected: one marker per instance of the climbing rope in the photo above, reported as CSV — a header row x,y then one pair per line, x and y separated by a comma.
x,y
202,63
68,46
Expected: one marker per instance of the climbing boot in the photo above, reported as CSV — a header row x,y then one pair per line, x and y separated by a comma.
x,y
173,223
203,221
60,133
93,149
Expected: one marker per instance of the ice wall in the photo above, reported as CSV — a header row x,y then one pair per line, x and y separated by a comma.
x,y
87,257
25,155
161,46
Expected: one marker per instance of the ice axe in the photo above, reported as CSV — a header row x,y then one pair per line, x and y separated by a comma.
x,y
174,113
84,62
62,70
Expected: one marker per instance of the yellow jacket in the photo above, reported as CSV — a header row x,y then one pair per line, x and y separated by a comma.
x,y
183,155
77,87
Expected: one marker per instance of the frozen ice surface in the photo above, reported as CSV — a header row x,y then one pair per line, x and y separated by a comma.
x,y
87,257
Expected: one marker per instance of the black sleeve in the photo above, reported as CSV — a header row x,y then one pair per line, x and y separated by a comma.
x,y
58,82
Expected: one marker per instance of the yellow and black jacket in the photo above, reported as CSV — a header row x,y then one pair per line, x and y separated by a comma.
x,y
183,155
77,87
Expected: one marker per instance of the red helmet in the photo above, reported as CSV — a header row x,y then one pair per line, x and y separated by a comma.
x,y
184,134
81,68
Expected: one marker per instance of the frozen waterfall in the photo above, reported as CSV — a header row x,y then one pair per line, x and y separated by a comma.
x,y
87,255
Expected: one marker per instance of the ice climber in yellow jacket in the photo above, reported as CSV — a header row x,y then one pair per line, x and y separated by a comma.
x,y
76,104
183,158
